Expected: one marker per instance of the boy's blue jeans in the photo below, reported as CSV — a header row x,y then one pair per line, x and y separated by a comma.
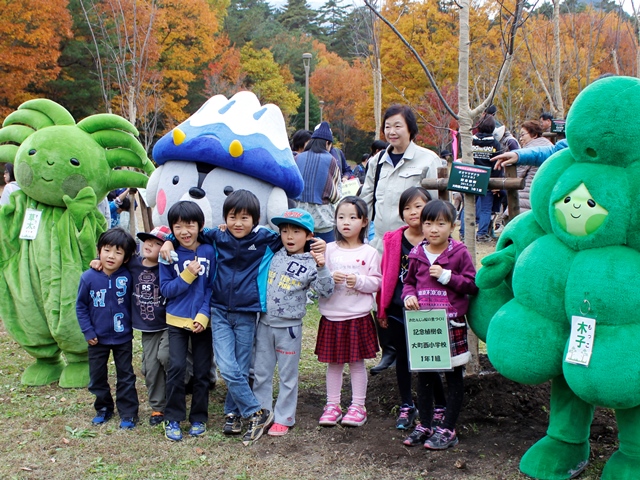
x,y
233,334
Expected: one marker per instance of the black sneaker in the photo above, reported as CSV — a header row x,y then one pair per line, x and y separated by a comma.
x,y
438,417
257,423
156,418
103,415
418,436
232,424
484,239
442,439
406,418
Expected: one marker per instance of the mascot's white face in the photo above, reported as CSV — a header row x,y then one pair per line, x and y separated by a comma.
x,y
227,145
176,181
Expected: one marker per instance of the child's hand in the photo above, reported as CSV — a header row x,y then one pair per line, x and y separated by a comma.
x,y
339,277
93,341
197,327
222,227
383,322
411,303
319,258
194,266
318,245
435,271
351,280
165,251
96,264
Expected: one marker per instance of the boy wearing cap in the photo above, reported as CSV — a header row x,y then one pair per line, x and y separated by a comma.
x,y
148,315
279,333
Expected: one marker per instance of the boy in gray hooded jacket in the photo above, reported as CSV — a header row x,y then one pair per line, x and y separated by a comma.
x,y
279,334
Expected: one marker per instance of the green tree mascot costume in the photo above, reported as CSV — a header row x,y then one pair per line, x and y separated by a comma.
x,y
560,300
63,169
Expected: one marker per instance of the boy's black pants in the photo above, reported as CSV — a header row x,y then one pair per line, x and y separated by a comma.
x,y
202,348
126,393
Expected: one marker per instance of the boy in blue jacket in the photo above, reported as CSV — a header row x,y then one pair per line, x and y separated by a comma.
x,y
104,313
243,253
187,284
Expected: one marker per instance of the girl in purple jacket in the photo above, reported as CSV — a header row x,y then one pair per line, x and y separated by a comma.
x,y
441,275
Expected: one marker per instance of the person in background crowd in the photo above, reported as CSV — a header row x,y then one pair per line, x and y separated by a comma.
x,y
546,120
322,182
338,154
484,148
299,141
530,136
361,169
10,183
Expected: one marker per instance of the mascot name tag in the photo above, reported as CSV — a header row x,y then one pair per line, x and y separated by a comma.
x,y
30,224
583,331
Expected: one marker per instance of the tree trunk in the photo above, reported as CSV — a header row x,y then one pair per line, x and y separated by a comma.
x,y
557,91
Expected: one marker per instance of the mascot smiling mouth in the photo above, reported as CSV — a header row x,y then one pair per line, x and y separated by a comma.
x,y
588,220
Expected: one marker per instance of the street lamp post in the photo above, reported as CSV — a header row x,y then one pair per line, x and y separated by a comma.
x,y
306,60
321,102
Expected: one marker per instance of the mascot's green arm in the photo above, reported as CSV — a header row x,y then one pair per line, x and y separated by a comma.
x,y
11,216
496,267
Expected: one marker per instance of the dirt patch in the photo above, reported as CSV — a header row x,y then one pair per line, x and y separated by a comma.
x,y
499,421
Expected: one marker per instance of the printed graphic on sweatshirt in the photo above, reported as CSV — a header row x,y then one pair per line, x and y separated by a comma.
x,y
147,295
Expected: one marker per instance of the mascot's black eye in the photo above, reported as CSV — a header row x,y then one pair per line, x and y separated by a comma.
x,y
228,190
74,162
591,203
567,200
32,152
176,179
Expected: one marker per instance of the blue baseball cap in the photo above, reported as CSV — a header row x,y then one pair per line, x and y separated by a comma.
x,y
296,216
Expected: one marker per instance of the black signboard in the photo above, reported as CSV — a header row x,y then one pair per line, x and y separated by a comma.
x,y
468,178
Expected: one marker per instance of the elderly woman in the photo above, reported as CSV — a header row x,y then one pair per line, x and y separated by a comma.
x,y
322,181
401,165
530,136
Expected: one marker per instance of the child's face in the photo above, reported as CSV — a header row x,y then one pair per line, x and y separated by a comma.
x,y
239,224
412,211
294,238
347,221
151,249
112,258
437,231
186,233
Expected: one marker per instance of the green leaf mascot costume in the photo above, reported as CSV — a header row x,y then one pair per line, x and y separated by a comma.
x,y
63,169
575,256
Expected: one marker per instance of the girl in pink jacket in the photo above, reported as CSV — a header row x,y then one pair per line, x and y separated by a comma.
x,y
394,267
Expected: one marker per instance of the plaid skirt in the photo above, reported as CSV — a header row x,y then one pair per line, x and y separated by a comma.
x,y
458,337
347,341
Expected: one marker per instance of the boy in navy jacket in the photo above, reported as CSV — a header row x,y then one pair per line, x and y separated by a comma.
x,y
187,284
243,252
104,314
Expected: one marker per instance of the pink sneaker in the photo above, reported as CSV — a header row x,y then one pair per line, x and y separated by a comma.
x,y
356,416
331,415
278,430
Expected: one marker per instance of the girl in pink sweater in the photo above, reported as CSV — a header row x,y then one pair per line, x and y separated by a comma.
x,y
346,333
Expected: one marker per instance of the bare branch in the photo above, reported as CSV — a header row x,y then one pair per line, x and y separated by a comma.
x,y
417,57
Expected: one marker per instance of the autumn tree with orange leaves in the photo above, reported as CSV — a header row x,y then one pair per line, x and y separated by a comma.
x,y
147,53
30,36
342,87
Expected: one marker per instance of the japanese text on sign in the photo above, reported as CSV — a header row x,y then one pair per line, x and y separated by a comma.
x,y
583,332
428,340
